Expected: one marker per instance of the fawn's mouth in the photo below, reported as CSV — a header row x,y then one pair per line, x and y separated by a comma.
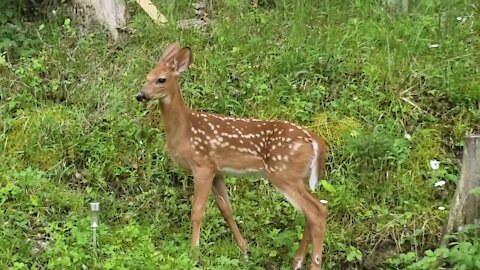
x,y
144,98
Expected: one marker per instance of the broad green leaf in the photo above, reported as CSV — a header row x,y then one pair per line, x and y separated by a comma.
x,y
327,186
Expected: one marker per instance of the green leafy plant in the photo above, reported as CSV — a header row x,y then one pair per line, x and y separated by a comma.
x,y
462,253
389,91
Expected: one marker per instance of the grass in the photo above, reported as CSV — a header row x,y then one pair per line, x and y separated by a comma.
x,y
358,73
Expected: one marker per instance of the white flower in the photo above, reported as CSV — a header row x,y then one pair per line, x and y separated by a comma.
x,y
459,18
324,201
435,164
433,45
441,208
440,183
407,136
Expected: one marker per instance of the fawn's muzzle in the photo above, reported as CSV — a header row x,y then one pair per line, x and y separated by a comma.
x,y
141,97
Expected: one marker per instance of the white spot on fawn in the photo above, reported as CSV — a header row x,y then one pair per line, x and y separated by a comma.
x,y
317,260
298,266
296,146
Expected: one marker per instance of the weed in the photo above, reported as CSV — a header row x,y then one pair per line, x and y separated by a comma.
x,y
390,92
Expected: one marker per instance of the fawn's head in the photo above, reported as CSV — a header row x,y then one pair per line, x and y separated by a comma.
x,y
163,79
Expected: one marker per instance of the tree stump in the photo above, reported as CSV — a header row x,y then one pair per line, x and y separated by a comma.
x,y
110,13
465,208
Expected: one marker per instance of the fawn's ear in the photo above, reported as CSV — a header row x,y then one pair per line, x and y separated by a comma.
x,y
183,59
170,52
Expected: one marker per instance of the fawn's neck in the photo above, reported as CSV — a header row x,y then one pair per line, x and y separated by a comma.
x,y
174,114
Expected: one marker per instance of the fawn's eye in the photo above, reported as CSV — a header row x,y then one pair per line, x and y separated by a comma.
x,y
161,80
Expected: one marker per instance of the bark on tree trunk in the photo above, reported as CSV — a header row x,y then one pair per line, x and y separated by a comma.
x,y
465,208
400,5
110,13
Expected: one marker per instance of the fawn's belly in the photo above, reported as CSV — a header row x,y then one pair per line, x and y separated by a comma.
x,y
242,172
239,164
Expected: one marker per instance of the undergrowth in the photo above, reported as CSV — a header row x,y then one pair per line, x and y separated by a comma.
x,y
390,91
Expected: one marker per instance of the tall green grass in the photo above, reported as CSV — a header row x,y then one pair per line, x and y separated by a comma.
x,y
356,72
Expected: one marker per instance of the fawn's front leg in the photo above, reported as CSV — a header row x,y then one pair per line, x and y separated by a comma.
x,y
223,202
202,179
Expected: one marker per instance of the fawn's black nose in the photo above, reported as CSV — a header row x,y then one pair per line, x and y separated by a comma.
x,y
141,97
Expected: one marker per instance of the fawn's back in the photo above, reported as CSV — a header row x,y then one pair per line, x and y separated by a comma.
x,y
242,146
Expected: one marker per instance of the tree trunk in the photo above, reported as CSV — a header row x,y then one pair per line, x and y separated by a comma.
x,y
399,5
465,208
110,13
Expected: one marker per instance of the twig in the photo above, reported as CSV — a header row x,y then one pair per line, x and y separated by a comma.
x,y
413,104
